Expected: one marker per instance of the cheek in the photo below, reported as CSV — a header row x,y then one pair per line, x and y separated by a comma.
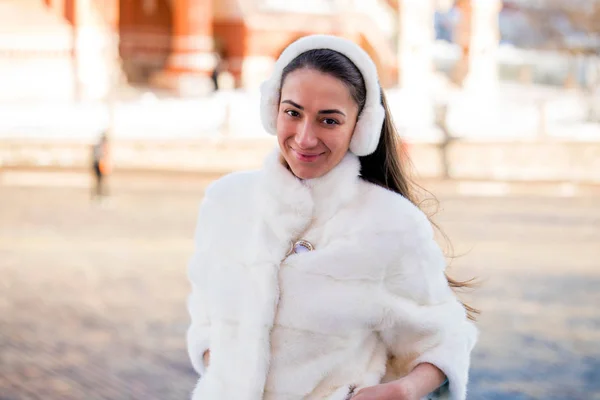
x,y
339,140
285,127
349,133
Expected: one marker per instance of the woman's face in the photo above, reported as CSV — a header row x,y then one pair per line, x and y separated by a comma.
x,y
316,119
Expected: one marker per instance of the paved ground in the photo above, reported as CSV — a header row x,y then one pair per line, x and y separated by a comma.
x,y
92,299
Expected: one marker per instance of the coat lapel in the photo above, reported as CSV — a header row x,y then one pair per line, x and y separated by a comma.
x,y
286,207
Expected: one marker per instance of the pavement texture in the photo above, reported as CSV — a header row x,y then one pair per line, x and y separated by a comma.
x,y
92,297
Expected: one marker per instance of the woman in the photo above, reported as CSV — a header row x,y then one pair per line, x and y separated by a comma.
x,y
317,277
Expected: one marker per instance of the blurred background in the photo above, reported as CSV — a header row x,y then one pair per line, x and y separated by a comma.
x,y
499,105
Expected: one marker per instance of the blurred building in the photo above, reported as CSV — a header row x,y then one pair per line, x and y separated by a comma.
x,y
68,49
140,69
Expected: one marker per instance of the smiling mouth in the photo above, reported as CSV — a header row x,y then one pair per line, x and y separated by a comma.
x,y
306,157
308,154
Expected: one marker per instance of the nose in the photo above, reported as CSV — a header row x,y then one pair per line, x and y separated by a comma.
x,y
305,137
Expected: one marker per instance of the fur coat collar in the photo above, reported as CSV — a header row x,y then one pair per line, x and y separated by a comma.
x,y
290,204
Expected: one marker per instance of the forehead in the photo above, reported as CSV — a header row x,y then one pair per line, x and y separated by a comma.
x,y
309,87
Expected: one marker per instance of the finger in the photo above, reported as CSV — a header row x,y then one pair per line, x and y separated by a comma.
x,y
360,395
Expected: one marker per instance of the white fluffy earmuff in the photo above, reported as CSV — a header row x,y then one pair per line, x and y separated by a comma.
x,y
370,121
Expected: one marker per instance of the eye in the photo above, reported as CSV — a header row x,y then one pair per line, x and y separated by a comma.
x,y
292,113
330,121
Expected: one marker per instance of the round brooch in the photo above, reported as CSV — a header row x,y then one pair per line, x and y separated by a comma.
x,y
300,246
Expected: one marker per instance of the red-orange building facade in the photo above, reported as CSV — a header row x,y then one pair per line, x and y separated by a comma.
x,y
177,44
163,43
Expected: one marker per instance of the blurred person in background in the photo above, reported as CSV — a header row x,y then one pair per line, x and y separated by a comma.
x,y
318,277
101,168
216,71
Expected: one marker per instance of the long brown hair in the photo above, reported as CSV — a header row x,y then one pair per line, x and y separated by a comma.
x,y
388,165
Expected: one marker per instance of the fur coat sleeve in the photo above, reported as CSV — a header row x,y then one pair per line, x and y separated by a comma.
x,y
434,328
199,330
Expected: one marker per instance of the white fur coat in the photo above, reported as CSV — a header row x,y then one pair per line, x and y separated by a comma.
x,y
367,305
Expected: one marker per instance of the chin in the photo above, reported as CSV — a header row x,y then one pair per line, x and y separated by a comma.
x,y
307,173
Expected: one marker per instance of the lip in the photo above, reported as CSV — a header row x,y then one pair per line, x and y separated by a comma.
x,y
306,157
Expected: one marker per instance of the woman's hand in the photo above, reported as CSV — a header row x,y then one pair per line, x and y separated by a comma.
x,y
401,389
422,380
206,358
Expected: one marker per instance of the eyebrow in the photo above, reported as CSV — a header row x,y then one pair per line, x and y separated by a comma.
x,y
331,111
